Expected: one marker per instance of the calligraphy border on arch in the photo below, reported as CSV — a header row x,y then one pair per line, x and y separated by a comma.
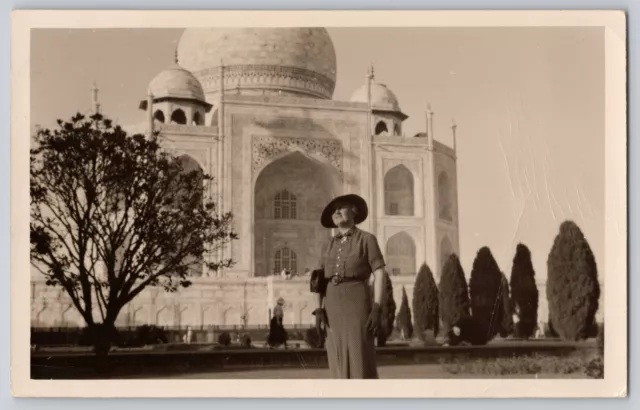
x,y
265,147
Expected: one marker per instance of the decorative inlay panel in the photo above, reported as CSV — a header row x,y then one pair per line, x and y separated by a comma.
x,y
265,148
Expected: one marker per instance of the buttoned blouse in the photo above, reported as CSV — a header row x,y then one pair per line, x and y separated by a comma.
x,y
355,254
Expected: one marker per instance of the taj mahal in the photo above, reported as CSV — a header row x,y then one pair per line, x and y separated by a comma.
x,y
254,108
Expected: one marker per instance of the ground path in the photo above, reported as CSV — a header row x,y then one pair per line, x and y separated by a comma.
x,y
427,371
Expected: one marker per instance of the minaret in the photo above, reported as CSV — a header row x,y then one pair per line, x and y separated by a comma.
x,y
453,130
432,203
371,154
94,96
220,155
430,136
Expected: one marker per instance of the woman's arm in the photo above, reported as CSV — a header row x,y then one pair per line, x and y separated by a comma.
x,y
378,285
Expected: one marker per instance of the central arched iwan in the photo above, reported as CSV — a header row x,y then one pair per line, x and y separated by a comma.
x,y
289,196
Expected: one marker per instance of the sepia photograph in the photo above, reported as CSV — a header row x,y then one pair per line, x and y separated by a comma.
x,y
251,198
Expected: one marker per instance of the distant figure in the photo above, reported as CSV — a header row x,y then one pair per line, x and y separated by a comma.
x,y
277,333
189,335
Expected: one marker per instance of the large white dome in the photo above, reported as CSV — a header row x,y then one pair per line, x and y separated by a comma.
x,y
291,61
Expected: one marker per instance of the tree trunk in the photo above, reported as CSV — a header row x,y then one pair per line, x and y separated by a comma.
x,y
103,336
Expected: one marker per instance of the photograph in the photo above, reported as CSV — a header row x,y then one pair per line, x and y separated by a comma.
x,y
233,198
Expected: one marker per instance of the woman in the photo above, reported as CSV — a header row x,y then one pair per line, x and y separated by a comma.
x,y
343,303
277,332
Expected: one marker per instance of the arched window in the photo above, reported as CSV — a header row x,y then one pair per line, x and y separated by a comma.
x,y
285,258
197,119
158,116
398,191
401,254
285,205
178,117
381,127
445,205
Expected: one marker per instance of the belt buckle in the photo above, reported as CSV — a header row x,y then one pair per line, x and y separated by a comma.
x,y
335,280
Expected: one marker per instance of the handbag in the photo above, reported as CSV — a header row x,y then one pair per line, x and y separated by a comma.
x,y
318,283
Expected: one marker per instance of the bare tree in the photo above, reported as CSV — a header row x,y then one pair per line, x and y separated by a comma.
x,y
112,214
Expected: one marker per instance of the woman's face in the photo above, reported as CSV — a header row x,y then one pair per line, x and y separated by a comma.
x,y
343,215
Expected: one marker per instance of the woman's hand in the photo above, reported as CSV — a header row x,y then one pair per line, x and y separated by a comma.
x,y
321,319
374,321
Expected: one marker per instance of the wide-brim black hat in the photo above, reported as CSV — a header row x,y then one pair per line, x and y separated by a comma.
x,y
361,205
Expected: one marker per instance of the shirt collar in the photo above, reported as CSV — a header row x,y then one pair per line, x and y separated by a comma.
x,y
350,232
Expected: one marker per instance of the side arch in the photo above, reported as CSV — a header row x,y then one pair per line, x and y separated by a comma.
x,y
399,195
401,254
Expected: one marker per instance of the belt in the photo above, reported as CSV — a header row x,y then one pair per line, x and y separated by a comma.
x,y
336,279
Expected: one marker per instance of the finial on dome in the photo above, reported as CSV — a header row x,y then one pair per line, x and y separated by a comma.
x,y
175,55
370,72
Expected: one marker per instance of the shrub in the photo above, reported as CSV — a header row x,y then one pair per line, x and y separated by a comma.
x,y
524,365
506,311
600,339
425,302
484,292
524,292
151,335
595,368
573,290
224,339
453,298
245,341
404,316
313,338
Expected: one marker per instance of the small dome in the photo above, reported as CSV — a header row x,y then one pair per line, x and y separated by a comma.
x,y
176,82
382,98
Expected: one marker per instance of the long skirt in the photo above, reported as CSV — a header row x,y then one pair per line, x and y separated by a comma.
x,y
350,346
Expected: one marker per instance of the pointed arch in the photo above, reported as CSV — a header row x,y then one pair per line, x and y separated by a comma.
x,y
399,191
445,203
158,116
285,258
401,254
178,116
381,127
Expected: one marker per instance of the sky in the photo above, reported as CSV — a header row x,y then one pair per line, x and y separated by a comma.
x,y
528,104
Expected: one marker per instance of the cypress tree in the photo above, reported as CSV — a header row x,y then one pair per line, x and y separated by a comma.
x,y
506,325
404,316
484,292
453,298
573,290
524,292
425,302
